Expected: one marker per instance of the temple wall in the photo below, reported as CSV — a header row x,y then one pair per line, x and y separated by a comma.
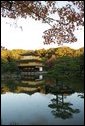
x,y
40,68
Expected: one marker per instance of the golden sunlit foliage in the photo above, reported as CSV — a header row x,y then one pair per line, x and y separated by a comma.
x,y
51,58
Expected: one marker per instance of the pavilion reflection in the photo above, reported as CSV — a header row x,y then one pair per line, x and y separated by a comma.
x,y
27,84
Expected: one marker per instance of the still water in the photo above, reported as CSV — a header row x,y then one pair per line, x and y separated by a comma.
x,y
29,102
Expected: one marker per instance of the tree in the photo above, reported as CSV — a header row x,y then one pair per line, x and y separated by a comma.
x,y
61,28
64,68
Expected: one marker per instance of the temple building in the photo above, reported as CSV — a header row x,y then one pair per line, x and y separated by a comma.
x,y
30,64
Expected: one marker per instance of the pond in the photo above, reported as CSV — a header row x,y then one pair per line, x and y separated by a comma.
x,y
29,102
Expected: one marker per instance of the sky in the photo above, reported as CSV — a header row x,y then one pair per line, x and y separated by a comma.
x,y
29,36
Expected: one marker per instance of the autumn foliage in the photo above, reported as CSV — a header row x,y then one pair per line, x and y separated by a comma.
x,y
67,18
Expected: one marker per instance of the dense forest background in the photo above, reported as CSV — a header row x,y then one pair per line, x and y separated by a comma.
x,y
59,62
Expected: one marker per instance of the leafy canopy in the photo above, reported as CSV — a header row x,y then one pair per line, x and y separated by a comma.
x,y
62,26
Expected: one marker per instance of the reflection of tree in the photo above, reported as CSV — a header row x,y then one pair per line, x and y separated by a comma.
x,y
81,95
62,109
8,86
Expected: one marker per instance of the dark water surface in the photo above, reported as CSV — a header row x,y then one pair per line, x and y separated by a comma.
x,y
29,102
